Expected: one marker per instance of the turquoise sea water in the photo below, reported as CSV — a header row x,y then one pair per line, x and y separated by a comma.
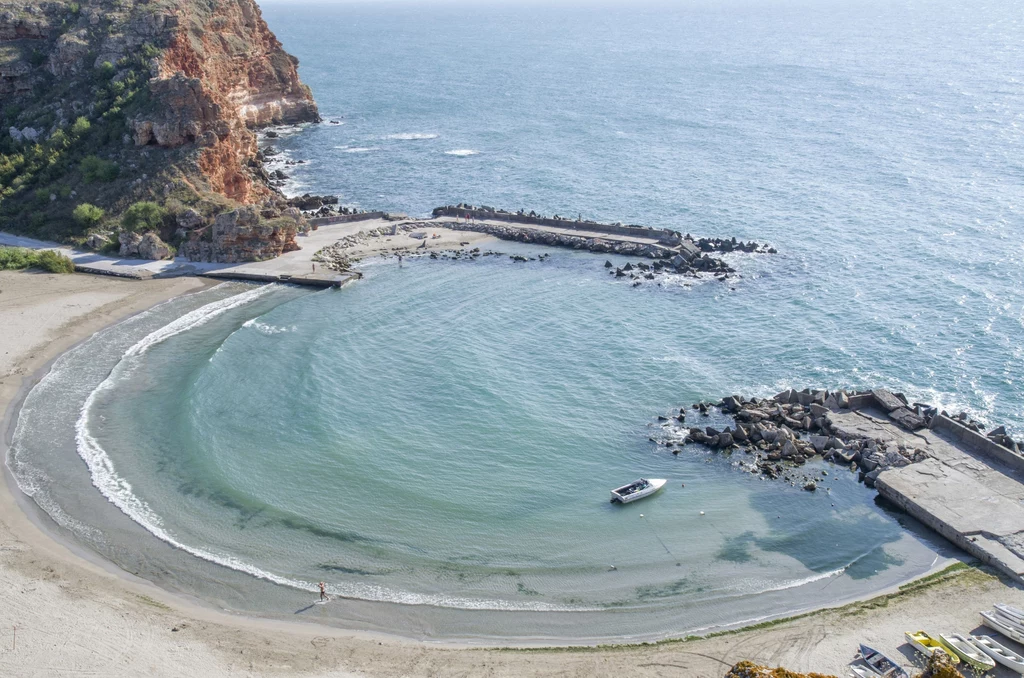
x,y
438,440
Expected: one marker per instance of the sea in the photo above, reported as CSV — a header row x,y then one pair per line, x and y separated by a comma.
x,y
437,441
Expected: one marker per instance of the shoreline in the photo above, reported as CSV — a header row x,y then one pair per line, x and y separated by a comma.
x,y
26,532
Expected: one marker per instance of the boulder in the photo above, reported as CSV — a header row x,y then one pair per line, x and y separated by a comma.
x,y
886,400
785,396
818,410
129,241
907,419
97,241
189,219
871,476
818,443
811,486
152,247
1001,431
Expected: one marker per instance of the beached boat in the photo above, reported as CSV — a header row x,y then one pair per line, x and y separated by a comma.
x,y
862,671
638,489
1002,625
1000,653
968,651
1012,613
929,644
880,664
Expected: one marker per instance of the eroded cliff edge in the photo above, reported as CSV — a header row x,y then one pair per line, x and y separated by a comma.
x,y
109,104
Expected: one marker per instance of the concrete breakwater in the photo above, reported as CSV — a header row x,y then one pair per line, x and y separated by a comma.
x,y
681,254
943,470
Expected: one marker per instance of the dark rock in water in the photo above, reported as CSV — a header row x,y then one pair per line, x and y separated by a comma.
x,y
608,264
619,273
811,486
1001,431
708,431
271,134
871,476
627,267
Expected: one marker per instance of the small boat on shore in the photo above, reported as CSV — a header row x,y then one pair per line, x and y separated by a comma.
x,y
968,651
638,489
999,623
928,644
1000,653
880,664
1012,613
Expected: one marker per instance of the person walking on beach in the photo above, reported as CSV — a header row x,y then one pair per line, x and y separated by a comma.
x,y
323,592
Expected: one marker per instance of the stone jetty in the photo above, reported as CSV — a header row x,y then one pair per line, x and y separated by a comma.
x,y
672,250
944,470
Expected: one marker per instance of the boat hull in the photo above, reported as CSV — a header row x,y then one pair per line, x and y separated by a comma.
x,y
654,484
999,653
996,623
968,652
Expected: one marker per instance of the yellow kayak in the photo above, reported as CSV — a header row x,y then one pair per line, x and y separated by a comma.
x,y
929,644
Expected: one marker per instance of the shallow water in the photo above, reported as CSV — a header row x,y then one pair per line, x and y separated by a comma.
x,y
438,440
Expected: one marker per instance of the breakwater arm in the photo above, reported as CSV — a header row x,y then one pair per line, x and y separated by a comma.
x,y
945,471
686,255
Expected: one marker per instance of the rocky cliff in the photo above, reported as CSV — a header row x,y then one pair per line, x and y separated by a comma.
x,y
114,102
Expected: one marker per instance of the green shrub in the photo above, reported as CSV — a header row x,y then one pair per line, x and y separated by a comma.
x,y
54,262
143,216
97,169
16,258
80,126
105,71
87,215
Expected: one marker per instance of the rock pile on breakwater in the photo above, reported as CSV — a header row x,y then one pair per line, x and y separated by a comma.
x,y
672,251
784,432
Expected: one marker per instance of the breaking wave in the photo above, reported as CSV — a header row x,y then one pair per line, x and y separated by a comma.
x,y
462,152
118,490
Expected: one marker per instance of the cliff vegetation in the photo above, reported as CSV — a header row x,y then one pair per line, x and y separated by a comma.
x,y
112,104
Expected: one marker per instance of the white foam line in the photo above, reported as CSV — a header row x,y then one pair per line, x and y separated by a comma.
x,y
118,490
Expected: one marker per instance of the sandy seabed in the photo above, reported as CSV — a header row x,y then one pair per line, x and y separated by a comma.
x,y
65,612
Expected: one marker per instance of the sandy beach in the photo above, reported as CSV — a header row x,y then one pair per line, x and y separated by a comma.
x,y
65,613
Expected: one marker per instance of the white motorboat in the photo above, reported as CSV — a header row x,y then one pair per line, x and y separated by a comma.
x,y
638,489
999,652
1003,626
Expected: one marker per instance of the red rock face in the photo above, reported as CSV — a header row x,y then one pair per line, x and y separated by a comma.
x,y
222,75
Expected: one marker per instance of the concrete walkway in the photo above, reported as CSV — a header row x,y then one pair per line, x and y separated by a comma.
x,y
294,267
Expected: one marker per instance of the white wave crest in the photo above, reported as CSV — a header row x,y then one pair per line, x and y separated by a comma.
x,y
357,149
462,152
266,328
410,136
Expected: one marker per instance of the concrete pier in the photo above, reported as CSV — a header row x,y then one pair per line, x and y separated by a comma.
x,y
963,491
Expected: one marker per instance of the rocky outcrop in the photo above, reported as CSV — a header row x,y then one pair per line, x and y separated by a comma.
x,y
165,93
144,246
242,235
222,75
